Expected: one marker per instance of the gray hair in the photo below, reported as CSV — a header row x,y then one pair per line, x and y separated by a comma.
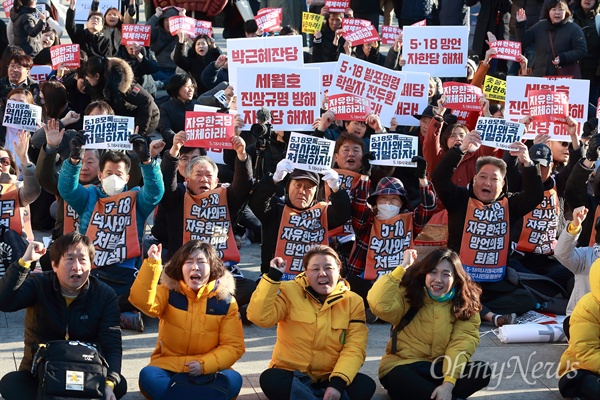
x,y
201,160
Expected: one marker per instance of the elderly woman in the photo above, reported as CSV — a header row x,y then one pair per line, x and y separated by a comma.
x,y
317,304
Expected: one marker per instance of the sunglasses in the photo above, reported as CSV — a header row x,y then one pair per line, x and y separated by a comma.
x,y
564,144
5,161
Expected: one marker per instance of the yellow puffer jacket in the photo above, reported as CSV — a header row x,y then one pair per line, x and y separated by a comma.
x,y
434,332
582,352
202,327
321,340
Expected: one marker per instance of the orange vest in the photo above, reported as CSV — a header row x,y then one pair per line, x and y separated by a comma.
x,y
389,238
70,219
206,218
540,226
298,232
113,229
348,181
486,240
10,212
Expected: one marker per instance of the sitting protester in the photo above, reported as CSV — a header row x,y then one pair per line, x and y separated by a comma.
x,y
90,37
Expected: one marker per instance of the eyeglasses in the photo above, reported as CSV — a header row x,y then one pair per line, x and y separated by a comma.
x,y
5,161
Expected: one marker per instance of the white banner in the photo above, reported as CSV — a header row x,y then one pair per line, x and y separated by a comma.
x,y
327,72
23,116
499,133
413,99
310,153
82,9
108,132
394,149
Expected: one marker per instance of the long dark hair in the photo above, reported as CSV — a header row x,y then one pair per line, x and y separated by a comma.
x,y
55,99
465,303
97,65
173,267
447,132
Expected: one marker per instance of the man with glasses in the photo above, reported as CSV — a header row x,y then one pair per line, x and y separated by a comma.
x,y
18,77
90,38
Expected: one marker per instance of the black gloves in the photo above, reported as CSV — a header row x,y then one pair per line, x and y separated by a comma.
x,y
76,146
592,151
366,163
421,171
141,146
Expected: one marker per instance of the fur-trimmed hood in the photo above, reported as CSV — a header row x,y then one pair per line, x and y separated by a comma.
x,y
120,76
222,287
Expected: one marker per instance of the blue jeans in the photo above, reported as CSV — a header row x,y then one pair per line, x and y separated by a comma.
x,y
154,381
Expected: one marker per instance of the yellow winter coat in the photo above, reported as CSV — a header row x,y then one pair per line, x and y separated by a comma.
x,y
321,340
434,332
202,327
584,346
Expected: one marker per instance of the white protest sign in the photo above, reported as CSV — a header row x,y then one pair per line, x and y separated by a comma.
x,y
438,50
40,72
200,107
108,132
394,149
327,71
499,133
517,103
291,94
282,51
23,116
413,99
82,9
310,153
379,84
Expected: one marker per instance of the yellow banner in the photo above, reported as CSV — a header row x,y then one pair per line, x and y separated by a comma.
x,y
494,88
311,22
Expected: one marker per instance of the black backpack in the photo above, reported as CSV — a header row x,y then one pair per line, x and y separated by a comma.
x,y
12,247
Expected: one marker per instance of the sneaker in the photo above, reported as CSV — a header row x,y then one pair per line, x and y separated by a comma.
x,y
371,318
506,319
132,320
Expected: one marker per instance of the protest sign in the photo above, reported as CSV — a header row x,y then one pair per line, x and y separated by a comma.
x,y
461,115
310,153
389,34
337,6
23,116
413,99
311,22
438,50
327,70
506,50
209,130
7,5
180,23
517,103
380,85
548,106
65,55
349,107
268,19
394,149
108,132
83,8
499,133
40,72
363,35
353,24
494,88
420,23
462,96
279,51
136,34
389,238
291,94
203,28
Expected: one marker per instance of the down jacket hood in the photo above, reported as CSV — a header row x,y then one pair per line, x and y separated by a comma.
x,y
223,287
119,77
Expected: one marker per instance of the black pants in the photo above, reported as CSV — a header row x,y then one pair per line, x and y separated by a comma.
x,y
276,384
120,280
416,382
21,385
580,383
503,297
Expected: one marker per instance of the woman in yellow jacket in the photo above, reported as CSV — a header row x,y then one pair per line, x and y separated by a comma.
x,y
199,330
432,354
580,364
321,331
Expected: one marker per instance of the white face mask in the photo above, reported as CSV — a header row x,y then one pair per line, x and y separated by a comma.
x,y
113,185
387,211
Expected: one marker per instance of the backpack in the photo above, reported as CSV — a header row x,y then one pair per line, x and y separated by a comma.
x,y
12,247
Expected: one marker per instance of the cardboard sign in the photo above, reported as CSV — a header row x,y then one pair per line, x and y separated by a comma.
x,y
23,116
66,55
363,35
548,106
379,84
108,132
494,88
180,23
291,94
40,73
394,149
499,133
420,23
349,107
268,19
203,28
83,8
389,34
7,5
311,22
209,130
517,103
353,24
279,51
438,50
412,100
337,6
136,34
507,50
462,96
310,153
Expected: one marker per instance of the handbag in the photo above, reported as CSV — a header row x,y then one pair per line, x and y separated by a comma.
x,y
566,70
69,369
202,387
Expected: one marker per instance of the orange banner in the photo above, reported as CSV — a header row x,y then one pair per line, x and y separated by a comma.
x,y
540,226
10,212
389,238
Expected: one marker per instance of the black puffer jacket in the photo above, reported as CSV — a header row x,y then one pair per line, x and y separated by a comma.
x,y
27,29
194,63
587,22
94,44
92,317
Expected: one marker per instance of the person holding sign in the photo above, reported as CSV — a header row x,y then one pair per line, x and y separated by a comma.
x,y
329,43
90,38
316,304
163,43
436,330
200,333
479,217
